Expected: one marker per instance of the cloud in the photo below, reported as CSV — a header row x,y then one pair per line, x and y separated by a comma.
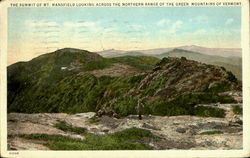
x,y
173,29
175,26
199,19
195,34
110,28
163,22
202,19
229,21
136,26
42,23
79,24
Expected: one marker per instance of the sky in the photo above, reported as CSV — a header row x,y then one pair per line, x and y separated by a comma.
x,y
35,31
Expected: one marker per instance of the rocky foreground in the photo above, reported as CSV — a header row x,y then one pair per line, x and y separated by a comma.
x,y
175,132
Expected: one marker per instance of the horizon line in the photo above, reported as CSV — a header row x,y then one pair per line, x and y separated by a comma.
x,y
176,47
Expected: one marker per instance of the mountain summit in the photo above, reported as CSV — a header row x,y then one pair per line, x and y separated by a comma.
x,y
76,81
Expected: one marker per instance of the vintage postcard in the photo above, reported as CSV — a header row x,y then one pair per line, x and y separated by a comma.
x,y
148,78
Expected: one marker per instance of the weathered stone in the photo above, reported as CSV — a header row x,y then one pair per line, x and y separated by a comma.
x,y
75,136
181,130
175,132
145,125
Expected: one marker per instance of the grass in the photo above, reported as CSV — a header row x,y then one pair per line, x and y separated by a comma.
x,y
211,132
222,87
73,94
139,62
237,110
231,76
68,128
77,94
125,106
202,111
180,105
185,105
150,90
123,140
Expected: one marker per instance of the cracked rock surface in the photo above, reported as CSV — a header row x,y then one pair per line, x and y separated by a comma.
x,y
175,132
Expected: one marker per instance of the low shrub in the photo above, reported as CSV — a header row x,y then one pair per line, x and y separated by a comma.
x,y
68,128
211,132
125,106
221,87
237,110
123,140
202,111
185,105
231,77
150,90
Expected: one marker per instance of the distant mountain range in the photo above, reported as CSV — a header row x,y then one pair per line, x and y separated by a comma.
x,y
224,52
230,58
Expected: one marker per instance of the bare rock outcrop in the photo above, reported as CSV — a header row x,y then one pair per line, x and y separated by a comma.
x,y
175,132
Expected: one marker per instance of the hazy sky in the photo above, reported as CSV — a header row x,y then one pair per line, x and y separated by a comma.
x,y
34,31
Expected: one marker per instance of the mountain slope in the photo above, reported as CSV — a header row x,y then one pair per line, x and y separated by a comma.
x,y
64,81
28,81
30,78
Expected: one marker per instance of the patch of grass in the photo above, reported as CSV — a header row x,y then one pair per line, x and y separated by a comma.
x,y
180,105
202,111
185,105
133,134
237,110
125,106
231,77
139,62
163,61
221,87
99,64
124,140
211,132
68,128
150,90
168,108
47,137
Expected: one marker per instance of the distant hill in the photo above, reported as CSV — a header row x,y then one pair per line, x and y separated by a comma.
x,y
230,58
233,64
75,81
223,52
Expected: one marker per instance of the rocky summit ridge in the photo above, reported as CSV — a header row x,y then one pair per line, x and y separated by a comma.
x,y
174,77
83,82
